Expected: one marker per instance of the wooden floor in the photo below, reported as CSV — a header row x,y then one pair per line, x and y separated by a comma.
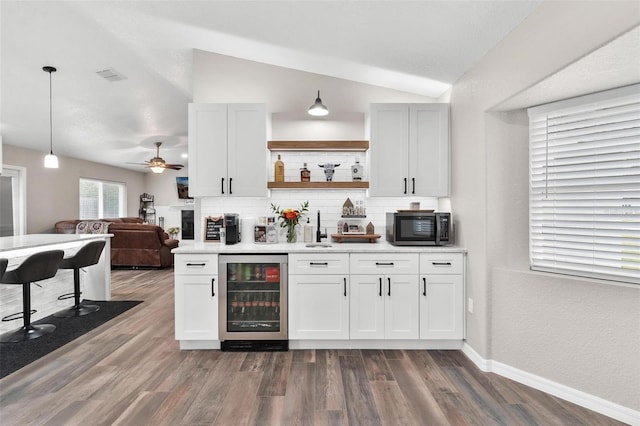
x,y
130,372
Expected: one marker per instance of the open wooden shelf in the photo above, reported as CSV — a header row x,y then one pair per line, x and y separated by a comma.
x,y
318,145
318,185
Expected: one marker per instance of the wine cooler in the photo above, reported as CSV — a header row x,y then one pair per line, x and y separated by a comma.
x,y
253,302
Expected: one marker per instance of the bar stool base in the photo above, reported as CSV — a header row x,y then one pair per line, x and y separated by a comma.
x,y
29,332
76,311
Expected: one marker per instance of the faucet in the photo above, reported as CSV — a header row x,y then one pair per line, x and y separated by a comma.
x,y
320,235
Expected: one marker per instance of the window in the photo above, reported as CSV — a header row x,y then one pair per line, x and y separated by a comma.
x,y
101,199
584,186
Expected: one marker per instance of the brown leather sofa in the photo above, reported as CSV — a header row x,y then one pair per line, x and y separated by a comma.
x,y
134,243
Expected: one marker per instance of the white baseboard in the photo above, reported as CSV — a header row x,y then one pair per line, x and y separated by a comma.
x,y
583,399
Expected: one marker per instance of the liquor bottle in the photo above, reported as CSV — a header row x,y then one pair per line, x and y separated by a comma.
x,y
356,171
279,170
305,174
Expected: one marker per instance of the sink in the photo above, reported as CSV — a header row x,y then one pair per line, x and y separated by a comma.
x,y
318,245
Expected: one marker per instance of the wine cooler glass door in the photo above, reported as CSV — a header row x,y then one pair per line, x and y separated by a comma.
x,y
253,297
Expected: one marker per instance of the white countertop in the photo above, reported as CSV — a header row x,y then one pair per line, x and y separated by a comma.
x,y
19,242
189,247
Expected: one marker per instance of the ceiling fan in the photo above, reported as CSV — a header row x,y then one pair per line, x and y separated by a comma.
x,y
157,163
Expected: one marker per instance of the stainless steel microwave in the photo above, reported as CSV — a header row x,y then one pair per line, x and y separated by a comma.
x,y
419,229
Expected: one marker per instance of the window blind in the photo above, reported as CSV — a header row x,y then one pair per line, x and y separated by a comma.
x,y
101,199
584,186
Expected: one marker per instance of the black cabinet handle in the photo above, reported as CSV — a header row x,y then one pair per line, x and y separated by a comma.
x,y
230,181
389,293
405,186
441,263
222,185
318,263
424,283
384,263
196,264
413,185
380,289
345,286
213,289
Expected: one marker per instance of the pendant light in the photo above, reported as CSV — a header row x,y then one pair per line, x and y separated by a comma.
x,y
317,109
50,160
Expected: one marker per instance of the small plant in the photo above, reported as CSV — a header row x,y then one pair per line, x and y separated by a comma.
x,y
173,231
289,219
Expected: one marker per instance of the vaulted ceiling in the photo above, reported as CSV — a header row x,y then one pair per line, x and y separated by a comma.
x,y
419,47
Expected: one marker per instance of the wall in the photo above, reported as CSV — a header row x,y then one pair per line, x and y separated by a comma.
x,y
288,94
52,194
580,333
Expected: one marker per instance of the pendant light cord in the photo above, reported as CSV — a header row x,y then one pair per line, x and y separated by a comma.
x,y
50,118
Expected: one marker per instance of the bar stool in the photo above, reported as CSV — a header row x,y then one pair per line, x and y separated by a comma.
x,y
3,266
37,267
88,255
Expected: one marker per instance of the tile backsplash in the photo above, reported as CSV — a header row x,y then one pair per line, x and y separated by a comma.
x,y
329,202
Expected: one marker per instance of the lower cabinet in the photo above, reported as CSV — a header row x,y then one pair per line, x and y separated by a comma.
x,y
319,296
442,296
196,296
384,307
441,307
318,307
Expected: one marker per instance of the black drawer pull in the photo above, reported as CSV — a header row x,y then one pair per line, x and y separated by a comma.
x,y
318,263
384,263
441,263
196,264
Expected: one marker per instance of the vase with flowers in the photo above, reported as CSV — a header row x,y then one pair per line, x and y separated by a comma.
x,y
289,219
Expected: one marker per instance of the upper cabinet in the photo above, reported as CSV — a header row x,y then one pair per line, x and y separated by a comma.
x,y
227,150
410,151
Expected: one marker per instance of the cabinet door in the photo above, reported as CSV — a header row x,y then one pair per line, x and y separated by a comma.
x,y
389,169
196,307
366,307
247,150
429,150
401,307
318,307
441,307
207,149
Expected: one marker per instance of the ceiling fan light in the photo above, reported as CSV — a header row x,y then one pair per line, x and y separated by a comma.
x,y
50,161
157,169
318,109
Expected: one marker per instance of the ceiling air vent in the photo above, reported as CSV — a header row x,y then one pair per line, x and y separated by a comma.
x,y
111,75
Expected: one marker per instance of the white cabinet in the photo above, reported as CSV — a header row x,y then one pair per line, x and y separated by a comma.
x,y
410,150
441,296
227,150
384,296
318,296
196,297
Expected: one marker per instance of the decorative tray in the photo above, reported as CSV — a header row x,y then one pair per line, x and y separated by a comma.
x,y
350,237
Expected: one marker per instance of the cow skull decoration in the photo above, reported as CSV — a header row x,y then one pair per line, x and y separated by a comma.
x,y
328,170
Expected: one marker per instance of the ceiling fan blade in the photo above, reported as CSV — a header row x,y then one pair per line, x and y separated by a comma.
x,y
140,164
174,166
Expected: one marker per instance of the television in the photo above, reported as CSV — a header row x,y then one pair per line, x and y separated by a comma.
x,y
182,182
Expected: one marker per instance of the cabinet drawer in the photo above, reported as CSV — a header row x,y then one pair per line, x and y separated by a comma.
x,y
319,263
384,263
196,264
441,263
